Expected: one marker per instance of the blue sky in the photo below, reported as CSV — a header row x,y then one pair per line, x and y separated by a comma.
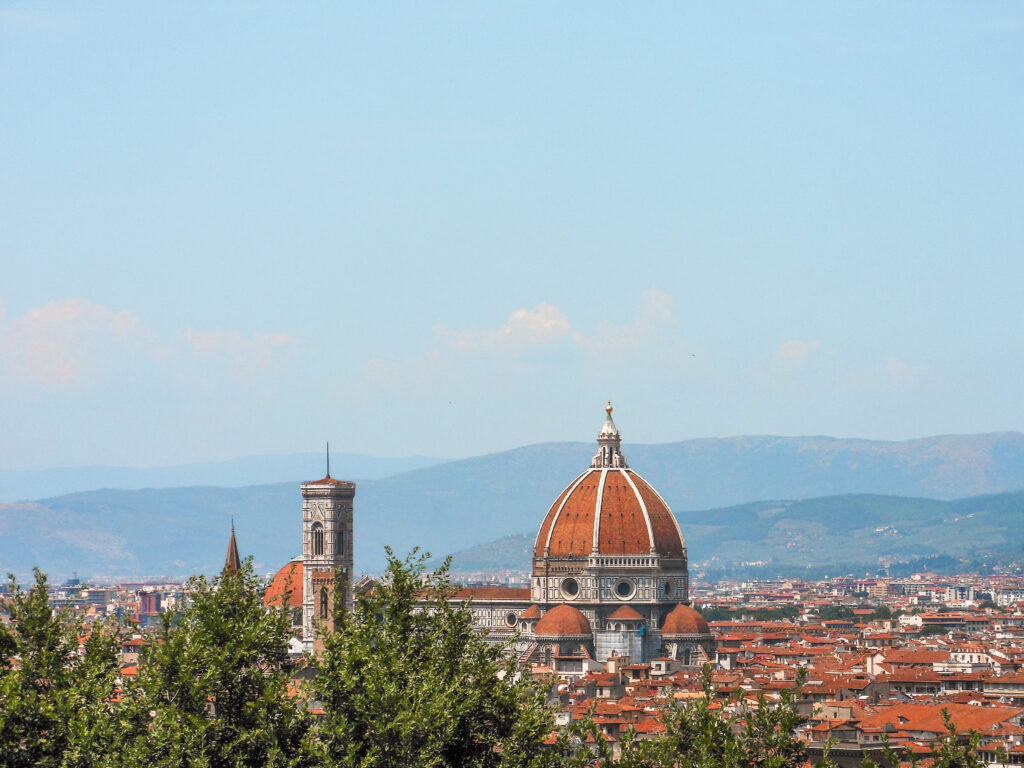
x,y
449,228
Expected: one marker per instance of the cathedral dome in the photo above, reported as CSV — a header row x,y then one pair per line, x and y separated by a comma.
x,y
684,620
287,579
609,510
563,621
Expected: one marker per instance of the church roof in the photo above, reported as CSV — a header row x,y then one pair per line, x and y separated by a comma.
x,y
288,579
563,620
626,613
232,562
533,612
684,620
327,481
609,510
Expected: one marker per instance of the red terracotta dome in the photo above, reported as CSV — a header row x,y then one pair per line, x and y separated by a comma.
x,y
288,578
563,620
684,620
626,613
533,612
612,512
609,510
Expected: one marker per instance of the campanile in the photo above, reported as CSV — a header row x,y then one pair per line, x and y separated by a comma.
x,y
326,553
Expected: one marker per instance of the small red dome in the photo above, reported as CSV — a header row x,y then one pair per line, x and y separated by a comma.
x,y
625,613
288,578
533,612
684,620
563,620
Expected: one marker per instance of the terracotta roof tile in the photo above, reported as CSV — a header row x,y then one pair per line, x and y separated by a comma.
x,y
288,578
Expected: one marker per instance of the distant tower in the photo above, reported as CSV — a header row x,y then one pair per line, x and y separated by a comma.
x,y
232,562
326,549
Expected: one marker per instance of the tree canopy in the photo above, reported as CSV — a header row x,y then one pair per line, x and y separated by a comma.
x,y
403,686
405,679
57,696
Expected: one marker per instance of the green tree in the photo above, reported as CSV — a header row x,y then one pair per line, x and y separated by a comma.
x,y
56,696
882,612
952,752
698,735
213,688
405,687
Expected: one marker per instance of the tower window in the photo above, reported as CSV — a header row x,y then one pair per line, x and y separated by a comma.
x,y
324,603
341,543
318,539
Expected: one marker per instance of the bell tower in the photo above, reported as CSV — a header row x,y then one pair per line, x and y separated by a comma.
x,y
326,553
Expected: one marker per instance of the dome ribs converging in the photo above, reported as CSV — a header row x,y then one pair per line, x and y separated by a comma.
x,y
668,539
623,522
552,515
609,510
575,530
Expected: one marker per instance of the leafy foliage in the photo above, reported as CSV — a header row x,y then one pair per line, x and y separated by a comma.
x,y
56,705
698,735
215,684
401,686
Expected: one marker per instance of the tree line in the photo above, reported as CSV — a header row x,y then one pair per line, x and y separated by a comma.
x,y
394,687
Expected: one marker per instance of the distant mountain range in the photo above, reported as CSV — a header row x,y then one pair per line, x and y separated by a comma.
x,y
458,505
827,535
25,484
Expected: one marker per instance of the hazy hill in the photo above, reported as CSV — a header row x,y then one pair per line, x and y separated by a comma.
x,y
22,484
853,532
456,505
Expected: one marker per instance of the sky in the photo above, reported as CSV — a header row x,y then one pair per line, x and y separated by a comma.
x,y
242,228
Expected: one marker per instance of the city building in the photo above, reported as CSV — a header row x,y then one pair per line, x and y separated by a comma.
x,y
609,578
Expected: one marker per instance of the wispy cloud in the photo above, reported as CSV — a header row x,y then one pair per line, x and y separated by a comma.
x,y
243,354
797,350
53,345
524,328
532,341
893,375
67,341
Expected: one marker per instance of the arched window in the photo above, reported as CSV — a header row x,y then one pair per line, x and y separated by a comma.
x,y
318,539
324,603
341,544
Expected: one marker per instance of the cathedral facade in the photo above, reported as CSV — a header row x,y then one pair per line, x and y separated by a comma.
x,y
609,573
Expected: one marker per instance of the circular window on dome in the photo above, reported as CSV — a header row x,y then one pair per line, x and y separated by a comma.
x,y
511,619
625,588
570,587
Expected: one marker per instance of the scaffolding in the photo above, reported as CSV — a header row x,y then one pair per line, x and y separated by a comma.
x,y
618,642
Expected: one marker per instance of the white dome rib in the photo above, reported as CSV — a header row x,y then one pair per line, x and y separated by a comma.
x,y
551,530
597,510
643,508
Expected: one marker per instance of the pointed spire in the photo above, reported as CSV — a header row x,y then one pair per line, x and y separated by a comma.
x,y
232,562
328,458
609,440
